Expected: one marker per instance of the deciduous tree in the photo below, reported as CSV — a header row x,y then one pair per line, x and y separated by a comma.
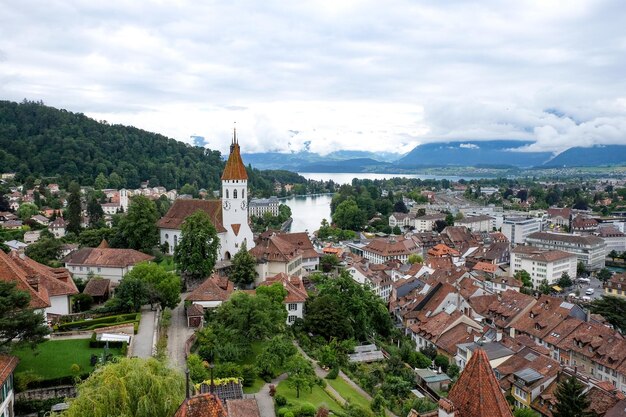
x,y
138,227
196,252
243,270
301,374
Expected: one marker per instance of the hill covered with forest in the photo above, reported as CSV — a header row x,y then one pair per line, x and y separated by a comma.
x,y
41,141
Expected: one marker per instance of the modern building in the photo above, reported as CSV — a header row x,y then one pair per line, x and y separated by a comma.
x,y
543,264
516,229
480,223
229,215
590,250
614,238
259,206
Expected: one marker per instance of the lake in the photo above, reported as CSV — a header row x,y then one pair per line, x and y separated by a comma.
x,y
308,211
346,178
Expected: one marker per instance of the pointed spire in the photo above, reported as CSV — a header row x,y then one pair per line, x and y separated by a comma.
x,y
235,169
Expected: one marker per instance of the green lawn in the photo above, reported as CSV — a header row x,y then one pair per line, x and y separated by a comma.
x,y
256,387
250,359
348,393
318,397
54,358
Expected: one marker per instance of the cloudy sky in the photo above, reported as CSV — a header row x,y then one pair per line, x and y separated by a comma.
x,y
327,74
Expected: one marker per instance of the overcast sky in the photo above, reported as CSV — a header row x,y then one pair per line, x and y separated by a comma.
x,y
327,74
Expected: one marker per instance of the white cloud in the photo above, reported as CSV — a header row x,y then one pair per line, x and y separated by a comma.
x,y
469,146
343,75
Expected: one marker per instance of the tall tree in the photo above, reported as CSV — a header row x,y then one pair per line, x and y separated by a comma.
x,y
26,211
139,227
19,322
130,295
613,309
571,399
74,210
161,286
243,270
301,374
45,250
524,276
101,182
604,274
130,387
349,216
196,252
95,213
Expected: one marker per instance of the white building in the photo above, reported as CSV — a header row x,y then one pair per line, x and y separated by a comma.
x,y
480,223
427,223
276,255
615,239
296,295
381,250
7,397
57,227
516,229
103,261
543,264
260,206
591,250
229,215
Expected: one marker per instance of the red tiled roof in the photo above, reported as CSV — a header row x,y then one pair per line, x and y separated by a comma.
x,y
392,246
7,366
214,288
195,310
202,405
235,169
477,393
97,287
544,316
296,293
107,257
181,209
243,408
442,250
274,249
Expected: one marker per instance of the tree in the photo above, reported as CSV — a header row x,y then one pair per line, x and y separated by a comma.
x,y
196,252
26,211
74,214
449,219
613,254
453,370
160,286
328,262
544,287
275,354
524,412
45,250
349,216
95,213
301,374
613,309
604,275
581,269
571,399
396,231
19,322
440,225
130,295
400,207
81,302
415,259
524,276
243,270
565,281
101,182
139,227
130,387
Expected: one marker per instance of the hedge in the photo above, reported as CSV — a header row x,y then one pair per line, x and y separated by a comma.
x,y
100,322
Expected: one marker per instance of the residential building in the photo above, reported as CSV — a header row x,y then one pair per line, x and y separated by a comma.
x,y
50,289
212,292
229,215
310,257
427,222
543,264
259,206
296,295
590,250
616,285
8,364
496,353
516,229
104,261
58,227
274,255
381,250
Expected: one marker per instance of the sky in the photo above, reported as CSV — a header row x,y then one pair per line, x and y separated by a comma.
x,y
327,75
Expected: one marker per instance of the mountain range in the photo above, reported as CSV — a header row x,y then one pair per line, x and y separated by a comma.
x,y
462,153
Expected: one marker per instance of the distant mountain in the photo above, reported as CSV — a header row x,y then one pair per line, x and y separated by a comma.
x,y
348,165
593,156
295,161
472,153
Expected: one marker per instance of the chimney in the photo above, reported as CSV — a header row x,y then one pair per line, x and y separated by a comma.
x,y
33,282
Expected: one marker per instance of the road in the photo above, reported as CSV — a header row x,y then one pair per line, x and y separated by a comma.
x,y
142,345
177,335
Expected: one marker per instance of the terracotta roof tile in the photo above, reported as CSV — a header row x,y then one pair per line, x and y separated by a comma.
x,y
181,209
243,408
108,257
97,287
296,293
7,366
235,169
274,249
392,246
214,288
202,405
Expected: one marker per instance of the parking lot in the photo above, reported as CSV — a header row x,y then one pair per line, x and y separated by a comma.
x,y
594,284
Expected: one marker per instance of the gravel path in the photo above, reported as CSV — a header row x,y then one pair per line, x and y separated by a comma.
x,y
264,400
142,345
177,335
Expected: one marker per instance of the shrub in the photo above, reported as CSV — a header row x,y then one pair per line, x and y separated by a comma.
x,y
124,350
248,374
282,411
334,372
306,410
280,400
289,414
272,390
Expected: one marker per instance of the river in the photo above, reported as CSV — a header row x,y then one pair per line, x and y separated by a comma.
x,y
308,211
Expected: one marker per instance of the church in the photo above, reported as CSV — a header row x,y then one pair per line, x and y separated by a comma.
x,y
229,214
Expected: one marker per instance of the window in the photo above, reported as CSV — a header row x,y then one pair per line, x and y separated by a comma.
x,y
243,191
292,307
234,193
227,193
99,269
291,319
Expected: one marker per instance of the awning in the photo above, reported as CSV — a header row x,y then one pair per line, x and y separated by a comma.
x,y
557,288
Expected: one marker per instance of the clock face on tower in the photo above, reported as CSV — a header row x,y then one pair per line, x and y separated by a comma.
x,y
243,205
226,205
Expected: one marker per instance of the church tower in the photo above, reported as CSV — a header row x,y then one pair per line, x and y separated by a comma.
x,y
235,203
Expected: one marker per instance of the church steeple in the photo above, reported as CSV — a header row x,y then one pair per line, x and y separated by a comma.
x,y
235,169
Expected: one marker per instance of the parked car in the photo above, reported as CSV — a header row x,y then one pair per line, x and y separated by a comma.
x,y
586,298
584,280
590,291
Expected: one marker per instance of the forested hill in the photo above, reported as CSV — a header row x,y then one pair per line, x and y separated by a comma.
x,y
44,141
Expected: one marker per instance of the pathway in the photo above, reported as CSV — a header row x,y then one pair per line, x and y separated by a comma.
x,y
143,340
265,400
177,335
